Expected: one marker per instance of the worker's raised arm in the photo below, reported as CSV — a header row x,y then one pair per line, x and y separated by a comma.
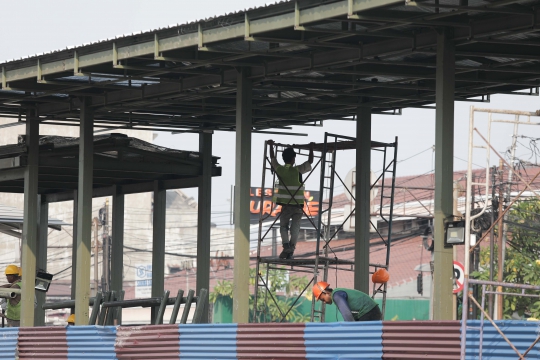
x,y
271,143
310,158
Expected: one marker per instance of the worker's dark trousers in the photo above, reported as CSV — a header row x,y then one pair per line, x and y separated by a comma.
x,y
372,315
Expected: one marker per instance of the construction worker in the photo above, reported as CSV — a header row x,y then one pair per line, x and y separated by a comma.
x,y
71,320
13,308
353,305
289,193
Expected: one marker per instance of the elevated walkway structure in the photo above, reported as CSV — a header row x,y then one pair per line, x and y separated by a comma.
x,y
318,266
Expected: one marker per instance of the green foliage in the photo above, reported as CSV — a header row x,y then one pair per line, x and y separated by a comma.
x,y
222,288
271,308
521,265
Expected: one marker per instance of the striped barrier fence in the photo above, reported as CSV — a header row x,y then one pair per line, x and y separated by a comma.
x,y
367,340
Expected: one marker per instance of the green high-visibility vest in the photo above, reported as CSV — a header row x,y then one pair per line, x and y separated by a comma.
x,y
13,312
359,302
289,190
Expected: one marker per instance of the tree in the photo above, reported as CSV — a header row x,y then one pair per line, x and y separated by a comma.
x,y
522,265
270,305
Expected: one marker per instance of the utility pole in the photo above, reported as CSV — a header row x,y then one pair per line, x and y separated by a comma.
x,y
472,258
105,280
96,252
492,239
501,246
454,248
509,185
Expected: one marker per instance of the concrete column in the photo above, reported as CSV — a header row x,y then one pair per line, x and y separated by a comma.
x,y
30,231
41,260
241,197
158,249
205,217
362,191
117,248
74,248
444,168
84,212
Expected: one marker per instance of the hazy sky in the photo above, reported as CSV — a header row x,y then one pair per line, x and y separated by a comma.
x,y
41,26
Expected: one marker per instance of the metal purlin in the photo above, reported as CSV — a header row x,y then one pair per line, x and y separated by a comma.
x,y
323,228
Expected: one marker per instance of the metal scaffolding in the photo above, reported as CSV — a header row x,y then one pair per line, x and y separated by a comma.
x,y
480,138
324,257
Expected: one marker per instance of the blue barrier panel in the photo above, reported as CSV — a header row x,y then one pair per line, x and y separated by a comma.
x,y
207,341
521,333
8,343
344,340
91,342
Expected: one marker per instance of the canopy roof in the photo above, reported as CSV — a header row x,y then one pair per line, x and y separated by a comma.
x,y
128,163
310,60
11,221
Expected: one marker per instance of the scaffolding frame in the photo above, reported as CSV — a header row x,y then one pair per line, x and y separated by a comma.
x,y
487,289
486,146
326,155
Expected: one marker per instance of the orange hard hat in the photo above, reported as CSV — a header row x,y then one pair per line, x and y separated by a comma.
x,y
71,319
12,270
380,276
319,288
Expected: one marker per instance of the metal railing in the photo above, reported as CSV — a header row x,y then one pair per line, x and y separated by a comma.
x,y
106,307
487,287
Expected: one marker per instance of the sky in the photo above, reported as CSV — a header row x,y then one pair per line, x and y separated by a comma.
x,y
41,26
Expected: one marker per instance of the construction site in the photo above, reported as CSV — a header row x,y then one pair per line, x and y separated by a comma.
x,y
227,188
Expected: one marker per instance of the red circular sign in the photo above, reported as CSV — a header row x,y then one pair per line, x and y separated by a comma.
x,y
459,277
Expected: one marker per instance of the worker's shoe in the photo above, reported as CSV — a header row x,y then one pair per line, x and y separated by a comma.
x,y
287,252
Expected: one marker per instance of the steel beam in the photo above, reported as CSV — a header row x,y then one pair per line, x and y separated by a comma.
x,y
84,212
117,248
158,241
362,195
30,231
41,259
135,188
241,197
444,170
205,216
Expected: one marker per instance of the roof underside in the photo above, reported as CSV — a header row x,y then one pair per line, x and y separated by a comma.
x,y
129,164
310,61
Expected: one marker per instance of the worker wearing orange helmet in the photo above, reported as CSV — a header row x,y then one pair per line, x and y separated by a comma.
x,y
13,309
353,305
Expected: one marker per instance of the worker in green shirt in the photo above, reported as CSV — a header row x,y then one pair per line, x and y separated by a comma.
x,y
289,194
13,309
353,305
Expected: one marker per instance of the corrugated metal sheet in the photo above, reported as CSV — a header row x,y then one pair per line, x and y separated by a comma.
x,y
421,340
208,341
521,333
8,343
270,341
344,340
43,343
91,342
147,342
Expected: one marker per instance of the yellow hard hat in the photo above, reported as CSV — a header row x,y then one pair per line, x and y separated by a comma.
x,y
20,271
12,270
71,319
